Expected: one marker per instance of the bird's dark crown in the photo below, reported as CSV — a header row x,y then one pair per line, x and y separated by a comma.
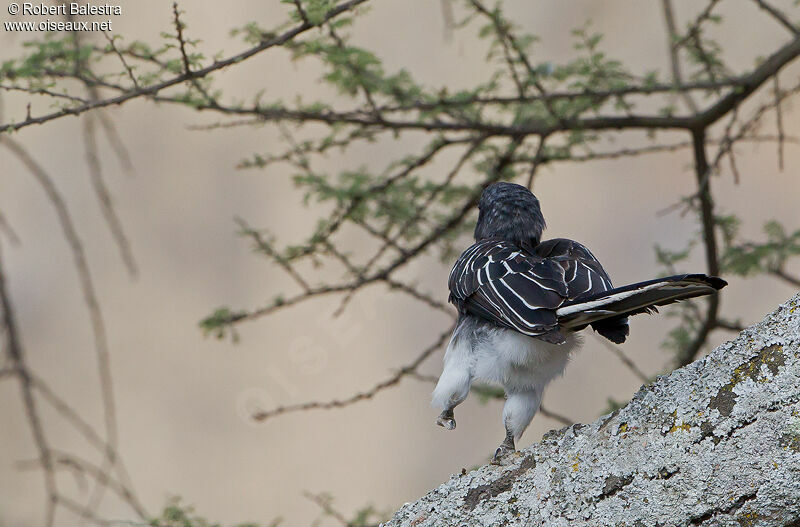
x,y
511,212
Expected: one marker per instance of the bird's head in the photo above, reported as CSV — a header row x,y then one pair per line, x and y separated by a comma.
x,y
511,212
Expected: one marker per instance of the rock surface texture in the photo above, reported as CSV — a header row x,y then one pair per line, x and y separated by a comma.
x,y
714,443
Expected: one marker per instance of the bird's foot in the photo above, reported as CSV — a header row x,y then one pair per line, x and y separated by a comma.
x,y
446,420
504,451
502,454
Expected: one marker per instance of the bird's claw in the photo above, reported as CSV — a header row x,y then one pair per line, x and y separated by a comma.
x,y
501,454
446,420
504,451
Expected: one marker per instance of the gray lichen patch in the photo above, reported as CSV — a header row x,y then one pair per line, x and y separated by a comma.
x,y
770,357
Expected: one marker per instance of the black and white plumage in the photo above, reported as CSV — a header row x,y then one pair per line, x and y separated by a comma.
x,y
521,301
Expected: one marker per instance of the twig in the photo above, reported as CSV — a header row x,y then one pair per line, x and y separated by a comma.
x,y
779,16
267,249
8,230
125,65
730,325
538,159
120,150
20,368
361,396
448,19
504,32
564,420
425,299
104,196
595,94
44,91
91,436
779,121
786,277
324,503
187,67
424,207
84,467
674,47
703,119
627,361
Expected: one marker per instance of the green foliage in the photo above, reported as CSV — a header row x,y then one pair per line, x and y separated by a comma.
x,y
368,516
317,9
252,33
751,258
487,392
219,323
669,258
45,60
176,514
680,337
736,257
352,69
363,517
401,200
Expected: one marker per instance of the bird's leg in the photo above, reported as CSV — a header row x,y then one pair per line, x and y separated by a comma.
x,y
446,419
458,392
454,382
520,407
451,391
506,447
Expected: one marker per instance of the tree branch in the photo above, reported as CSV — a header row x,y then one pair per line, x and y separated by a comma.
x,y
709,236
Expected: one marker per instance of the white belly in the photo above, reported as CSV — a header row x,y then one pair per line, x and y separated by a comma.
x,y
517,361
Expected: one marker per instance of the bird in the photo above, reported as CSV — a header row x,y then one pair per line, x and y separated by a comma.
x,y
522,302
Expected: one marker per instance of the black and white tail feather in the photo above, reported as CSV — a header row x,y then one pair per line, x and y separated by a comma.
x,y
521,301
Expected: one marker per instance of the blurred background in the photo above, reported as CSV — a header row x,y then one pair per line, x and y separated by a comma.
x,y
183,400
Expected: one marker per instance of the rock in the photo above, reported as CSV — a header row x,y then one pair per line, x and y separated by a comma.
x,y
714,443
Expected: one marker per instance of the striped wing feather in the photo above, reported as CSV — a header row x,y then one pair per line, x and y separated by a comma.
x,y
496,280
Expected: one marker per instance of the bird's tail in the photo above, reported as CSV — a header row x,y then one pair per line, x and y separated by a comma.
x,y
633,299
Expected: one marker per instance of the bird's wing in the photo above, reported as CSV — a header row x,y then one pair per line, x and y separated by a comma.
x,y
583,274
498,281
586,279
